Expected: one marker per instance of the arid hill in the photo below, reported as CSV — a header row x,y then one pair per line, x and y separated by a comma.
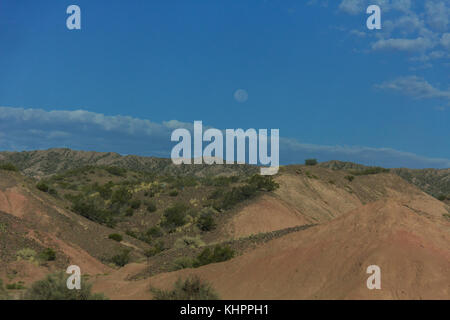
x,y
43,163
308,233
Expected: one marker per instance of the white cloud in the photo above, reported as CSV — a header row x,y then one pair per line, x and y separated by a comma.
x,y
437,14
352,6
419,44
415,87
31,129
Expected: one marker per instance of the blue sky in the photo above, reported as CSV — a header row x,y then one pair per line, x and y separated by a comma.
x,y
138,69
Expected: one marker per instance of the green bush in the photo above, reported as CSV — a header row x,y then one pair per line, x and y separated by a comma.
x,y
173,193
206,222
442,197
129,212
175,216
47,255
8,167
16,286
155,232
116,237
349,178
219,254
263,182
54,287
183,263
311,162
157,248
87,208
236,195
135,204
121,196
151,207
122,258
43,186
193,288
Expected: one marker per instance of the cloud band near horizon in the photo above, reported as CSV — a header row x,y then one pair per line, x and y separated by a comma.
x,y
31,129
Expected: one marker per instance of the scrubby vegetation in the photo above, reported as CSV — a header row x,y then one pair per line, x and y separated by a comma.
x,y
370,170
54,287
47,255
350,178
8,167
218,254
116,237
311,162
192,288
206,221
122,258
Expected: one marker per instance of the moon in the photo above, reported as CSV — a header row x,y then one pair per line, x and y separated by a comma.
x,y
241,95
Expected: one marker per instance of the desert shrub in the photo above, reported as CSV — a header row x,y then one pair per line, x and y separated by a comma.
x,y
173,193
311,162
129,212
175,216
88,209
121,196
263,182
16,286
151,207
116,171
8,167
370,170
442,197
219,254
182,263
43,186
105,191
215,194
157,248
349,178
190,242
122,258
206,221
116,237
236,195
54,287
26,254
220,181
155,232
193,288
135,204
47,255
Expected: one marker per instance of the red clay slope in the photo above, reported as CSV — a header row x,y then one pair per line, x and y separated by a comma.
x,y
329,261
